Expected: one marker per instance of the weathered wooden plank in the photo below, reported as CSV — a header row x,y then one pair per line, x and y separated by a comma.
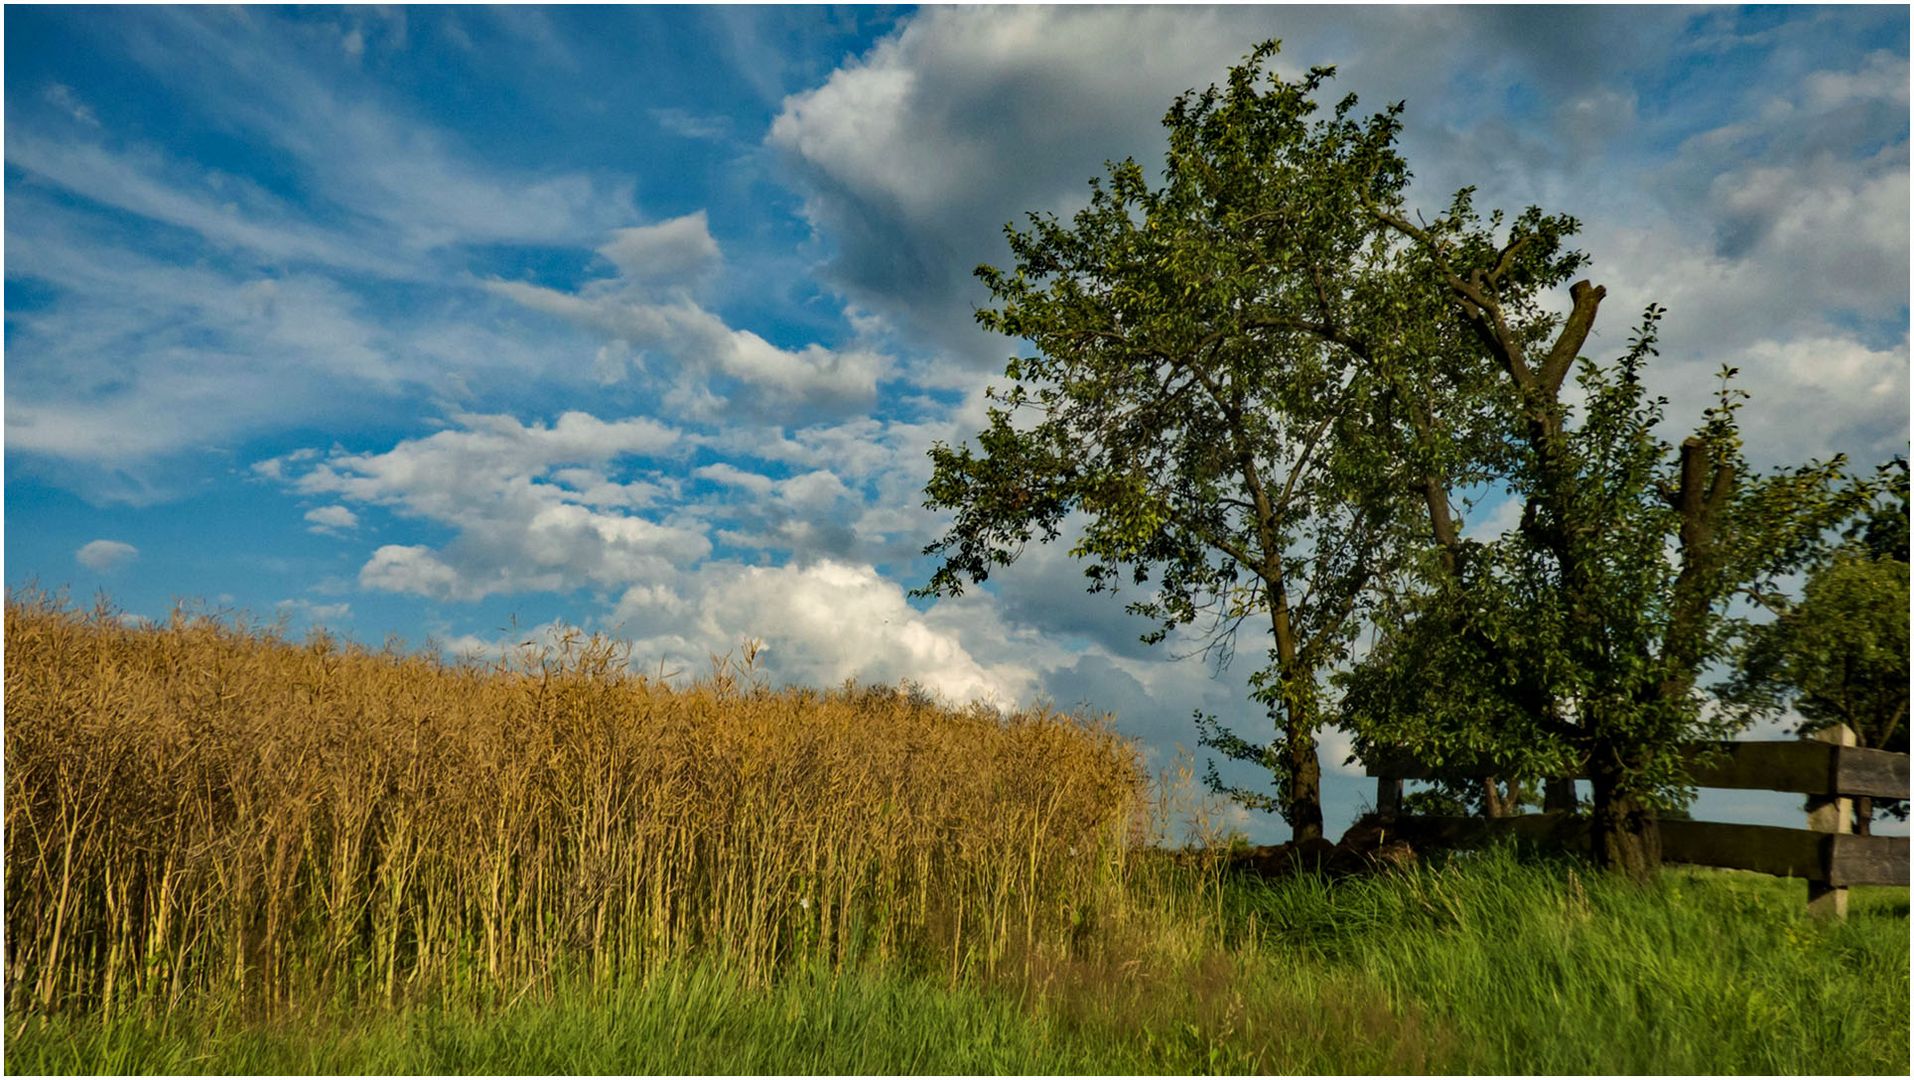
x,y
1867,860
1795,765
1769,849
1880,773
1835,860
1804,765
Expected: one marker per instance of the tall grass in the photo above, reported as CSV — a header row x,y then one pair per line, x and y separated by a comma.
x,y
207,811
1491,964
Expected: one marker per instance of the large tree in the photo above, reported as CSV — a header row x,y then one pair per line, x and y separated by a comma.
x,y
1185,408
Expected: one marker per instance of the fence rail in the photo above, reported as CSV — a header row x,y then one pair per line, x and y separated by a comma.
x,y
1827,855
1803,765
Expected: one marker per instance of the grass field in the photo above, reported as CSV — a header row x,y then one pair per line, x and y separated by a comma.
x,y
232,853
1495,964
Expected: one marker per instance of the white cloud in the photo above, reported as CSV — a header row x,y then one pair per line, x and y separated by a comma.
x,y
692,125
535,507
1779,218
360,151
731,476
316,614
1487,522
914,155
648,307
62,97
829,621
231,307
330,520
675,252
229,212
105,556
139,365
415,569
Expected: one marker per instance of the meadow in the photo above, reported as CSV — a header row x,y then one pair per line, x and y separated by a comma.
x,y
231,851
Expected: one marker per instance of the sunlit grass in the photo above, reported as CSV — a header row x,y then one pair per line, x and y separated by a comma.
x,y
1496,965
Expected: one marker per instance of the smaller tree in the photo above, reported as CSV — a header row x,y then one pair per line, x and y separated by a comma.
x,y
1839,653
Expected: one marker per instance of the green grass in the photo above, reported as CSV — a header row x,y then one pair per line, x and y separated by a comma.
x,y
1491,964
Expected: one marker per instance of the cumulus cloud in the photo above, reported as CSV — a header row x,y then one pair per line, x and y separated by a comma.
x,y
105,556
1779,243
822,623
587,502
914,155
538,507
1768,213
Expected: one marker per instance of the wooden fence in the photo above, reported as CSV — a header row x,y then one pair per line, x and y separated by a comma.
x,y
1829,769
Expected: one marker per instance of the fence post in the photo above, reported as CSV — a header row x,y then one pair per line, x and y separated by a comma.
x,y
1830,814
1558,795
1388,796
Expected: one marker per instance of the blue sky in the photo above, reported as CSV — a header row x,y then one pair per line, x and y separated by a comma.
x,y
448,321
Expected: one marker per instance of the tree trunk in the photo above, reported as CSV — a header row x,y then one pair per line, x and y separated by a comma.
x,y
1864,815
1305,809
1624,835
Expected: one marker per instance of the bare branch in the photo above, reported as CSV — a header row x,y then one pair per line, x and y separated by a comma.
x,y
1568,344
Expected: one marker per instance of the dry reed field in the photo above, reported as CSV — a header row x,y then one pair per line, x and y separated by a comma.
x,y
211,811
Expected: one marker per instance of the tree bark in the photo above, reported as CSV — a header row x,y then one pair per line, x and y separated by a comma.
x,y
1624,835
1305,811
1493,803
1304,807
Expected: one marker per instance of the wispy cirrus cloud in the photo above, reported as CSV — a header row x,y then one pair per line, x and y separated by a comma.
x,y
709,368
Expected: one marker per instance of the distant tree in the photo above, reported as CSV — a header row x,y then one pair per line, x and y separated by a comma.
x,y
1838,654
1186,405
